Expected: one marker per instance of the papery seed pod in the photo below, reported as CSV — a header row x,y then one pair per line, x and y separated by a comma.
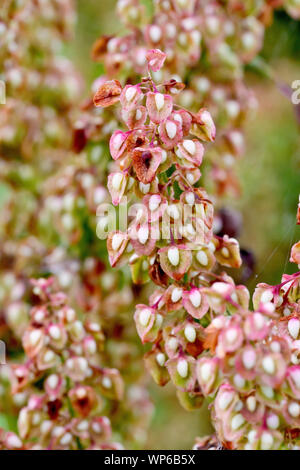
x,y
175,261
159,106
203,126
182,372
155,361
108,94
148,323
146,162
207,375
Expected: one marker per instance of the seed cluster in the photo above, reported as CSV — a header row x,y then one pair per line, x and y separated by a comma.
x,y
205,339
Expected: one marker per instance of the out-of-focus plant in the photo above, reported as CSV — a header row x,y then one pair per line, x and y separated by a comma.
x,y
49,223
64,379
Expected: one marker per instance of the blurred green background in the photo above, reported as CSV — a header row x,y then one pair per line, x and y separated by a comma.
x,y
269,174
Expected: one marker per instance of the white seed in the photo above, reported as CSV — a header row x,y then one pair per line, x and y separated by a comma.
x,y
203,84
54,332
272,421
178,118
158,320
145,265
117,181
268,364
239,381
173,256
251,404
173,344
212,247
159,101
49,356
225,400
249,358
231,335
190,333
130,93
217,323
190,178
161,359
46,426
118,141
295,359
248,40
195,298
171,129
155,33
83,364
144,316
190,146
97,428
138,114
202,257
190,198
294,409
225,252
275,347
238,406
66,439
52,381
267,391
145,188
237,421
91,347
233,108
106,382
183,368
164,156
116,242
294,327
83,426
35,336
143,235
81,393
266,441
14,441
154,202
176,294
252,436
205,371
259,321
267,296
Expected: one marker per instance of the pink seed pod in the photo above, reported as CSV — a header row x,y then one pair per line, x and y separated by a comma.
x,y
195,303
159,106
155,59
146,162
108,94
148,323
